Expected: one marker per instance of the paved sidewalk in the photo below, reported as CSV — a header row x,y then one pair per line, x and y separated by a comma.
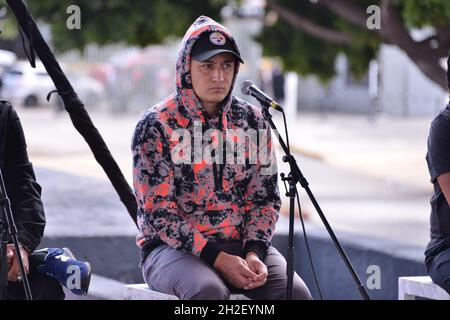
x,y
390,148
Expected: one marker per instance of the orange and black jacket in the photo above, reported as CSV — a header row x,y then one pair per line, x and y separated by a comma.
x,y
194,205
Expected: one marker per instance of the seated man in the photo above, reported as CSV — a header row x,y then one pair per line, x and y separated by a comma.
x,y
437,255
207,220
47,268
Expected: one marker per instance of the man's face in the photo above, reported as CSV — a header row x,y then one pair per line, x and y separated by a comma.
x,y
212,79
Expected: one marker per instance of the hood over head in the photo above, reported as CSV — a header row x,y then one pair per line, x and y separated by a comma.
x,y
185,92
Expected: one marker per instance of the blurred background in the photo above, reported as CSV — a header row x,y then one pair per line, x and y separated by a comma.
x,y
360,81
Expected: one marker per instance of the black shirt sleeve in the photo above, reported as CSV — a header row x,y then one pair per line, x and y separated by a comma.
x,y
209,253
438,155
258,247
21,186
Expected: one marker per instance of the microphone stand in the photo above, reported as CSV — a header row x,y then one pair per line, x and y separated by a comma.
x,y
295,176
7,225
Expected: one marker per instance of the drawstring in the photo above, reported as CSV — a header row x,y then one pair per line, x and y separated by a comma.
x,y
222,142
217,168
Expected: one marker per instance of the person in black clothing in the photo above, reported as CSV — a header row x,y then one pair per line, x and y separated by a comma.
x,y
437,254
278,84
47,267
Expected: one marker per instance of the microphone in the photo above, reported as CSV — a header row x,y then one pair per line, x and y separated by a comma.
x,y
248,88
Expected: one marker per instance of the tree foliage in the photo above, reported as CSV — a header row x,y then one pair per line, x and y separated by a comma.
x,y
137,22
307,54
420,13
309,34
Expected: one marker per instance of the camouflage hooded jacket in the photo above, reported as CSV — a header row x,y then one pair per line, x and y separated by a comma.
x,y
192,192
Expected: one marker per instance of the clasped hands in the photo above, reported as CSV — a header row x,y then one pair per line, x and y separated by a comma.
x,y
248,273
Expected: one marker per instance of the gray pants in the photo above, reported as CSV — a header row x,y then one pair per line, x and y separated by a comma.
x,y
184,275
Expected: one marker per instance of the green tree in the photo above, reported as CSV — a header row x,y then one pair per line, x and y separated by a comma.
x,y
326,27
137,22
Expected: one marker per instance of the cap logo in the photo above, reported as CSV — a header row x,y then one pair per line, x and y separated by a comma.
x,y
217,38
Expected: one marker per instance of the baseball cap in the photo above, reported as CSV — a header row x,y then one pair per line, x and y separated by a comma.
x,y
210,44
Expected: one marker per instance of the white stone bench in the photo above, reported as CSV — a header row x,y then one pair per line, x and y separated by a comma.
x,y
411,287
141,291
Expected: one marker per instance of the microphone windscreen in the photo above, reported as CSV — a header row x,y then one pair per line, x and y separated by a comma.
x,y
245,86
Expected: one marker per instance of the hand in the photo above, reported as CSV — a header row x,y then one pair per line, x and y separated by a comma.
x,y
259,268
13,263
9,256
234,269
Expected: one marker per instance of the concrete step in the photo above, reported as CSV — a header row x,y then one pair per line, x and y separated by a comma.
x,y
141,291
100,288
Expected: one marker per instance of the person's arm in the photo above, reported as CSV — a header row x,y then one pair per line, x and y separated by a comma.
x,y
444,183
21,186
153,181
262,201
438,154
13,262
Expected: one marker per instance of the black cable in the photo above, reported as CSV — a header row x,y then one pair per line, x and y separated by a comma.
x,y
307,246
300,214
297,177
286,132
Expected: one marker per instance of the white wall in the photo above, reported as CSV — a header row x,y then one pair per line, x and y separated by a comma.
x,y
339,95
404,89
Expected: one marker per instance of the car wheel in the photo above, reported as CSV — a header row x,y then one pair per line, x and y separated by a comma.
x,y
31,101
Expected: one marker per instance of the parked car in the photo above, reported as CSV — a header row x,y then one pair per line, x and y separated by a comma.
x,y
91,91
24,85
27,86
